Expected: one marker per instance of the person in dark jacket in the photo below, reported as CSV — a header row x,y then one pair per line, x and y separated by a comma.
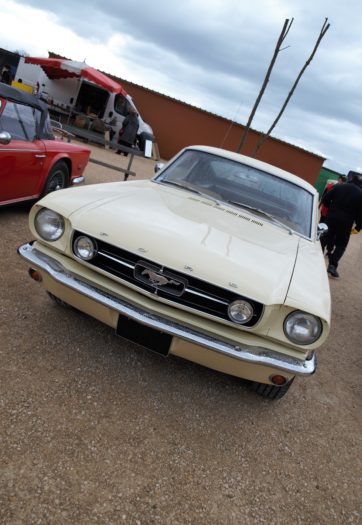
x,y
324,210
341,180
128,132
344,203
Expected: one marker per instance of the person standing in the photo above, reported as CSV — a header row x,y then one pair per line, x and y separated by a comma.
x,y
344,203
341,180
128,132
324,210
6,75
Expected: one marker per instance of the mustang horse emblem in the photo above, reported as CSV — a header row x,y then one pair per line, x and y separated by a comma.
x,y
157,279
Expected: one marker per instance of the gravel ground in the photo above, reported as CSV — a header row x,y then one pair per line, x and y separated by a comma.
x,y
98,430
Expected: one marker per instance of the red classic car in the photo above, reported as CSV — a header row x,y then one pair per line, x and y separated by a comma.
x,y
32,162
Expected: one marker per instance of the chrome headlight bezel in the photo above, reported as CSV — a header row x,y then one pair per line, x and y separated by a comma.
x,y
312,328
89,246
242,308
49,224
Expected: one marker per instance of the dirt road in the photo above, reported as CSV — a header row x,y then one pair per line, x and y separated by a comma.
x,y
97,430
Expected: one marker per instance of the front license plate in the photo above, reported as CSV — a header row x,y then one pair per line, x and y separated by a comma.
x,y
143,335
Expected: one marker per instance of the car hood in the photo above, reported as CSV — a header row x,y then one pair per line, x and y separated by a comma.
x,y
183,231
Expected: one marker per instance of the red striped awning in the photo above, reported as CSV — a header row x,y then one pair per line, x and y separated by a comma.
x,y
56,68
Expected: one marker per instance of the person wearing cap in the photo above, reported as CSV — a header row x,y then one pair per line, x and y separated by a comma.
x,y
344,203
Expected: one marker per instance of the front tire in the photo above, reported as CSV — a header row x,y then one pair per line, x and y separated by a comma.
x,y
271,391
58,178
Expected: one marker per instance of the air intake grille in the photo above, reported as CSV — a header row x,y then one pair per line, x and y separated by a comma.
x,y
167,283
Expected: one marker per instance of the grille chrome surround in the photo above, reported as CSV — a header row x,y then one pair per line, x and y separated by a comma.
x,y
167,283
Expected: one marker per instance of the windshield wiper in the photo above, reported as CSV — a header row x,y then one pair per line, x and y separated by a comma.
x,y
262,212
188,187
181,185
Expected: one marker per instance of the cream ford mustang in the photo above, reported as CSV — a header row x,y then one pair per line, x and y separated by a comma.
x,y
216,260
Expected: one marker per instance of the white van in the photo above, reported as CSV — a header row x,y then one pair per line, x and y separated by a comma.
x,y
74,96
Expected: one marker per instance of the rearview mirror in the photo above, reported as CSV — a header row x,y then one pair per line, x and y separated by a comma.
x,y
322,230
158,166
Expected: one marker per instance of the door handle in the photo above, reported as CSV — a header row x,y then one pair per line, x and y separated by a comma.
x,y
40,156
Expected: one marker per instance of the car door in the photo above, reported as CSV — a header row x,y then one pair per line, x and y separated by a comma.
x,y
22,160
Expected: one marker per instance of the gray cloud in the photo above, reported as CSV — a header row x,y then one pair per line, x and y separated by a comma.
x,y
218,52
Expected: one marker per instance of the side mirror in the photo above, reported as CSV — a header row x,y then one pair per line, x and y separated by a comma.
x,y
158,166
322,230
5,137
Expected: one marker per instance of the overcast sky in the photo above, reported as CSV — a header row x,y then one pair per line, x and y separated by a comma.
x,y
214,54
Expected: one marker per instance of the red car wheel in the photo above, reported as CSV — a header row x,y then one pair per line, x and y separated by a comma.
x,y
58,178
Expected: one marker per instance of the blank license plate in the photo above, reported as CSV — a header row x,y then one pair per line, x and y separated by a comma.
x,y
143,335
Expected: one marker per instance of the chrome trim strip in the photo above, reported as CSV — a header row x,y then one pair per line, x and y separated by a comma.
x,y
15,150
116,260
206,296
249,354
132,266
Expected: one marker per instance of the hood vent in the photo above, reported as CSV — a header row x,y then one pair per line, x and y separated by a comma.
x,y
226,210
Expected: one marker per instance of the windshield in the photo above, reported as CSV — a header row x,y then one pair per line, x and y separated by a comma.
x,y
122,104
244,186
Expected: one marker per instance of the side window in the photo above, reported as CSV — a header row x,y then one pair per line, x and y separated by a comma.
x,y
121,105
47,128
20,121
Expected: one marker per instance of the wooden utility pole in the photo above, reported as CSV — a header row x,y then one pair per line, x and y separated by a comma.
x,y
287,25
264,137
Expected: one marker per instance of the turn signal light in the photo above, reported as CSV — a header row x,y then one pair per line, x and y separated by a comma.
x,y
278,380
34,274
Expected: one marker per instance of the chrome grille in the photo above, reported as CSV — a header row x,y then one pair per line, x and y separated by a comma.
x,y
167,283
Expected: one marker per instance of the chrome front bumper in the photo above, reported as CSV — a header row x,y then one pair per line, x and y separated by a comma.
x,y
246,353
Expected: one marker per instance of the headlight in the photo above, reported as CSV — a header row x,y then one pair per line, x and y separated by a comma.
x,y
302,328
240,311
85,248
49,224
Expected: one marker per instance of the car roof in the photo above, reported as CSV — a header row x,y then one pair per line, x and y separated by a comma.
x,y
258,164
22,97
18,95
